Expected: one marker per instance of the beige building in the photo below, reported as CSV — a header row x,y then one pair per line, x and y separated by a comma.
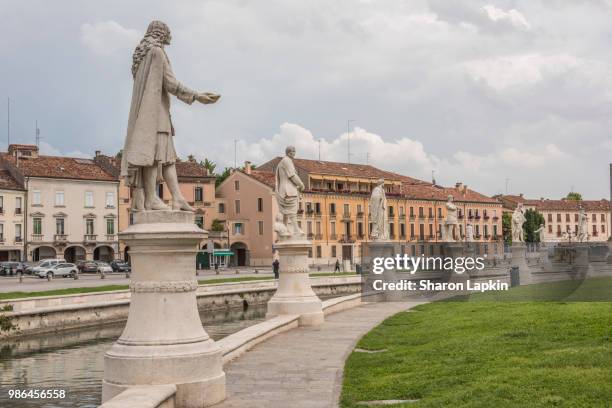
x,y
70,205
12,199
561,216
334,211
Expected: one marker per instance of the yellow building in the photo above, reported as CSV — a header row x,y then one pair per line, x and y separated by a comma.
x,y
333,211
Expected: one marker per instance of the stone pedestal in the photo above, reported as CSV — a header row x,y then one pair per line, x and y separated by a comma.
x,y
294,295
163,341
519,259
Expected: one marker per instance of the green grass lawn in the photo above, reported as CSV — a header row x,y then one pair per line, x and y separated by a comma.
x,y
485,353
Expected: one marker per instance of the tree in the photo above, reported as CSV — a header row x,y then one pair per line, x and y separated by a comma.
x,y
209,165
533,221
574,196
507,227
221,177
217,225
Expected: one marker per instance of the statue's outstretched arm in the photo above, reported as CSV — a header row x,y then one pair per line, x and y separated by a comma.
x,y
173,86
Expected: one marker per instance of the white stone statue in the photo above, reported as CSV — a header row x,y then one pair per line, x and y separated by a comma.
x,y
582,226
148,157
540,231
518,219
288,187
378,212
451,220
469,233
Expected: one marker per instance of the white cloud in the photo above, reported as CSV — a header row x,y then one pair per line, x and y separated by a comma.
x,y
49,150
107,37
513,16
526,69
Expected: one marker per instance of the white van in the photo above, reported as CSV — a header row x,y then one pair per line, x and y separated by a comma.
x,y
46,264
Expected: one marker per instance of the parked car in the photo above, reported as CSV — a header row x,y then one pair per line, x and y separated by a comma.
x,y
120,266
87,266
60,269
11,268
46,264
104,267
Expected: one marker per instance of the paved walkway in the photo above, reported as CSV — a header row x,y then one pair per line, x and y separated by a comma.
x,y
302,368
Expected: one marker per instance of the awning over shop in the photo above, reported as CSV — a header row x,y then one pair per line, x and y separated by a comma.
x,y
223,253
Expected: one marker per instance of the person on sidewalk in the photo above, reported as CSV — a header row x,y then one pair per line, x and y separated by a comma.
x,y
275,268
337,267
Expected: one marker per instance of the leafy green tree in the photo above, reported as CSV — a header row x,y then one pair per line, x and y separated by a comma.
x,y
217,225
533,221
209,165
574,196
507,227
222,176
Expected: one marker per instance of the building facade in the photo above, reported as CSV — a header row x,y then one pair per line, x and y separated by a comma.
x,y
561,216
334,215
197,186
12,199
71,208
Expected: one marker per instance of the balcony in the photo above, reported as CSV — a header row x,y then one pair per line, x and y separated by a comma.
x,y
317,214
333,236
391,215
300,211
60,238
487,236
421,216
309,212
347,239
359,214
112,237
18,239
470,216
1,239
310,235
402,237
460,217
411,217
486,217
412,237
495,218
477,236
18,211
332,214
360,236
89,238
318,236
346,216
402,216
37,237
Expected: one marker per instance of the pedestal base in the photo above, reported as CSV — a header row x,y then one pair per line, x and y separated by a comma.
x,y
294,295
163,341
519,259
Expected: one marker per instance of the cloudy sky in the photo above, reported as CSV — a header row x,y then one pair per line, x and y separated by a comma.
x,y
496,94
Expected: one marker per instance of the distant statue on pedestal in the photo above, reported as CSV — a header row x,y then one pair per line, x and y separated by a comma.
x,y
582,226
469,233
518,219
288,187
451,220
378,212
148,155
540,231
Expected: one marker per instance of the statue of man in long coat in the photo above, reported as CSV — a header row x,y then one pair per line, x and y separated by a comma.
x,y
148,155
518,219
288,187
378,212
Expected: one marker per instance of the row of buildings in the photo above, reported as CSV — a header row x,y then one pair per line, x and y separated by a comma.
x,y
73,208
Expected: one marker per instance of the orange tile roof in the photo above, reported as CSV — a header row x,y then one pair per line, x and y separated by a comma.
x,y
561,205
183,168
409,190
342,169
7,182
58,167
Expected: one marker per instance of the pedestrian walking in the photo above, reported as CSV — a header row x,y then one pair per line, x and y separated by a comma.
x,y
275,268
337,267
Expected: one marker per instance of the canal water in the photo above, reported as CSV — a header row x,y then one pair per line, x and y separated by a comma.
x,y
74,360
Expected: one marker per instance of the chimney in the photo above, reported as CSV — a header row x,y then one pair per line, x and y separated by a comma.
x,y
98,153
247,167
459,186
465,189
521,195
